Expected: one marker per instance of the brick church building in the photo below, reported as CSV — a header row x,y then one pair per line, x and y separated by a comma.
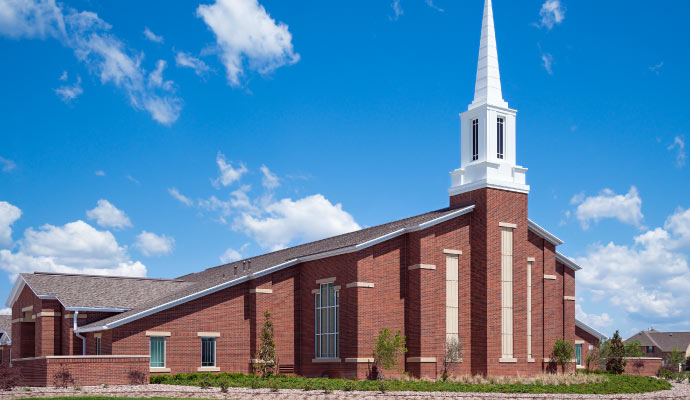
x,y
479,272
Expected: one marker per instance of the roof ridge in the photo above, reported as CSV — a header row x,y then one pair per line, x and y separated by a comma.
x,y
141,278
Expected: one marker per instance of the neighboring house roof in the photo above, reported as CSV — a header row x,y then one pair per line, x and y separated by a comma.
x,y
5,329
589,330
665,341
100,293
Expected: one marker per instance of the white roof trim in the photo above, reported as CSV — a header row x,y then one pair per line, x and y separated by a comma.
x,y
16,290
543,233
5,339
589,329
287,264
567,262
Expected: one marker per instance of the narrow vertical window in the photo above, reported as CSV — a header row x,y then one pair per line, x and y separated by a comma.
x,y
578,354
157,352
507,293
499,137
326,305
208,352
529,310
98,346
2,355
452,315
475,139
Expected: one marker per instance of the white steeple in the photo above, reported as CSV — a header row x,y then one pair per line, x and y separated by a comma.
x,y
487,89
488,151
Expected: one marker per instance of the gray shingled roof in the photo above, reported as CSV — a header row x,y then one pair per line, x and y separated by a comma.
x,y
6,324
218,275
665,341
101,291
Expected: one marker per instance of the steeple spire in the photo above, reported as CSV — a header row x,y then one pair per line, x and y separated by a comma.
x,y
488,86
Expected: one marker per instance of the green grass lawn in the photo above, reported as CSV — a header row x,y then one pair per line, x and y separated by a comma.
x,y
613,384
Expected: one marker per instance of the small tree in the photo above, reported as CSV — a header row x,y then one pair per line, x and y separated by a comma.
x,y
675,358
633,348
266,361
615,362
453,356
563,352
687,364
387,351
592,358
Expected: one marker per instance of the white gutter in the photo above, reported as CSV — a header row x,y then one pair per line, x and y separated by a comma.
x,y
553,239
268,271
567,262
76,332
97,309
589,329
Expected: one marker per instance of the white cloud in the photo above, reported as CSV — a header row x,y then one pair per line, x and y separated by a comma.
x,y
103,53
76,247
68,93
657,68
230,255
307,219
186,60
228,173
109,216
6,311
625,208
431,4
648,280
600,321
64,76
269,180
100,173
397,10
151,244
552,13
8,215
7,165
180,197
547,62
679,146
152,36
132,179
247,37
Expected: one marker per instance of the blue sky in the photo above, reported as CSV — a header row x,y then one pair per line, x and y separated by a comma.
x,y
161,138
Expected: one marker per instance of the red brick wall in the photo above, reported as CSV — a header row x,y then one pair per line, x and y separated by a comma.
x,y
84,371
644,366
589,340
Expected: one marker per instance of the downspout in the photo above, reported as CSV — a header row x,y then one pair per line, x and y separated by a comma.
x,y
76,332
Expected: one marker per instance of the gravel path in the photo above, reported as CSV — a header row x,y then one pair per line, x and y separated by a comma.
x,y
679,391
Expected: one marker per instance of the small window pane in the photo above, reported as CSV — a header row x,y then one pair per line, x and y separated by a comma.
x,y
208,352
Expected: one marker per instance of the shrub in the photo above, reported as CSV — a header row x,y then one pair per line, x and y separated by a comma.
x,y
266,357
387,351
159,379
274,385
205,382
615,362
592,358
136,377
224,384
62,378
382,386
349,386
633,348
665,372
453,355
675,358
254,382
9,377
562,352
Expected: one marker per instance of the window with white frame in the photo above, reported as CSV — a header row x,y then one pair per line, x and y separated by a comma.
x,y
529,309
578,354
475,139
157,351
452,314
500,125
507,293
208,352
327,324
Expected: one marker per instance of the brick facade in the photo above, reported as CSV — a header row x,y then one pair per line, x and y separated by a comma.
x,y
411,300
644,366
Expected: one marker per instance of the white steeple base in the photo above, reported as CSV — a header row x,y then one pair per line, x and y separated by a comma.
x,y
488,174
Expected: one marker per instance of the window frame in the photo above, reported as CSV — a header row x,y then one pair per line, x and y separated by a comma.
x,y
98,346
215,346
475,139
319,336
578,358
165,348
500,137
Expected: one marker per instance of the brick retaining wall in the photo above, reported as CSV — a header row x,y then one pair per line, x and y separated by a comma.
x,y
85,370
645,366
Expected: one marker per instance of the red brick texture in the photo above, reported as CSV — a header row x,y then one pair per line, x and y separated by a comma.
x,y
591,343
85,371
644,366
411,301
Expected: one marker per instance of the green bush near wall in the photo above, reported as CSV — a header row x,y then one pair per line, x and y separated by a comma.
x,y
614,384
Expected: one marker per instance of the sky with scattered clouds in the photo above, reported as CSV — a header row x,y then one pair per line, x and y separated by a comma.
x,y
162,138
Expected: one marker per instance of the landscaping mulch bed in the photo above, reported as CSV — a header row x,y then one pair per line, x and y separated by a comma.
x,y
679,391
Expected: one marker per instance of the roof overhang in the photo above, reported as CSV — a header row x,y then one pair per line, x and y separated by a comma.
x,y
589,330
567,262
550,237
268,271
5,339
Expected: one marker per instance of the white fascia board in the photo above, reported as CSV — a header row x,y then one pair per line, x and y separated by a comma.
x,y
268,271
589,329
16,290
97,309
534,227
567,262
